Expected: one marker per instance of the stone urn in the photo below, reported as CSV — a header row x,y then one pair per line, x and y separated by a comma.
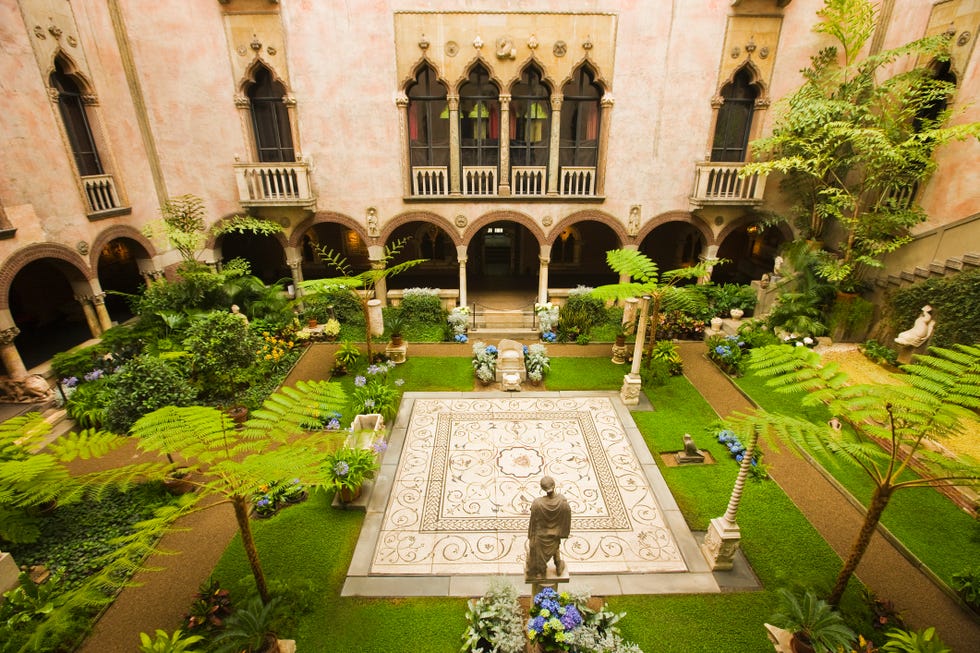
x,y
736,313
716,323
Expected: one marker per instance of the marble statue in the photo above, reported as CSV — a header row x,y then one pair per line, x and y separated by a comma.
x,y
372,223
633,224
777,265
920,331
551,522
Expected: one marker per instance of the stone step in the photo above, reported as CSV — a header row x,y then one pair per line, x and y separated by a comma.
x,y
506,319
491,336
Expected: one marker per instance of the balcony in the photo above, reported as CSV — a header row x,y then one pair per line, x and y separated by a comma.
x,y
529,180
430,181
720,184
480,180
274,184
101,197
577,182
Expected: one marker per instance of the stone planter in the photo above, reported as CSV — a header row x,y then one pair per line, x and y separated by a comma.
x,y
737,313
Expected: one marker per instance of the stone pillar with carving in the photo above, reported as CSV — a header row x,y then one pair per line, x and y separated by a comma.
x,y
722,539
543,262
554,147
244,106
503,188
294,259
380,286
629,315
401,101
101,312
605,119
632,384
710,253
455,172
12,361
90,317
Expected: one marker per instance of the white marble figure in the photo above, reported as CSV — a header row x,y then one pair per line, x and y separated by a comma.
x,y
920,331
633,224
777,265
372,222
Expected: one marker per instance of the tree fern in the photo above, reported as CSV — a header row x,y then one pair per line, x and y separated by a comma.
x,y
884,425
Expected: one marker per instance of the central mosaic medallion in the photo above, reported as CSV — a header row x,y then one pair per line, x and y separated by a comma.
x,y
470,468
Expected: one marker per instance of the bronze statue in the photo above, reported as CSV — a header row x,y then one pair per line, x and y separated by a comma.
x,y
551,521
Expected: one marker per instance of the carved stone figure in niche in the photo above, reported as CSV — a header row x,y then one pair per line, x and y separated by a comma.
x,y
633,225
920,331
372,223
551,522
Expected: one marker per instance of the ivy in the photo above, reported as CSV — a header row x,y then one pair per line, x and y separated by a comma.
x,y
955,301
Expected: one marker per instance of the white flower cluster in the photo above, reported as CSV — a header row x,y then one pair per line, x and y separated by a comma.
x,y
547,316
459,319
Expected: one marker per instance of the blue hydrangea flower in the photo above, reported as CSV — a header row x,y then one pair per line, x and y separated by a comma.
x,y
491,349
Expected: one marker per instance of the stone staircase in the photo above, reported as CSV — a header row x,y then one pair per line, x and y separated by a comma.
x,y
934,269
491,324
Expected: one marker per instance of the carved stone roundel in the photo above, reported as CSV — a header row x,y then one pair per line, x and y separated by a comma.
x,y
452,48
560,48
460,221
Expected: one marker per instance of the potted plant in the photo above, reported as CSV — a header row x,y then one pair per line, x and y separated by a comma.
x,y
345,358
331,329
816,626
396,323
347,468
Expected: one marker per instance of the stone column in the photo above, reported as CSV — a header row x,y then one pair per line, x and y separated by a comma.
x,y
629,315
401,101
455,172
11,357
462,280
503,188
90,317
710,252
723,536
98,301
632,384
543,259
605,118
376,321
554,147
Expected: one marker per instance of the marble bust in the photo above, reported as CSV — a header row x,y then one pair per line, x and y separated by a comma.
x,y
920,331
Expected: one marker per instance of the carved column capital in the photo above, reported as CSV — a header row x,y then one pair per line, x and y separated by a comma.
x,y
453,101
607,101
295,264
98,298
556,101
7,335
717,101
462,261
289,100
544,261
401,100
242,102
504,98
90,99
83,299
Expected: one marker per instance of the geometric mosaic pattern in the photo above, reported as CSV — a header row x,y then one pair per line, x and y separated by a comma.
x,y
470,468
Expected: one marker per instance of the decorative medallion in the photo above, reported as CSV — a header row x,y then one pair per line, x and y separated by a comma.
x,y
55,31
719,220
505,48
764,52
72,41
519,461
452,48
39,32
256,44
477,43
560,49
736,51
460,221
964,38
532,43
423,43
547,220
587,44
241,50
271,50
82,247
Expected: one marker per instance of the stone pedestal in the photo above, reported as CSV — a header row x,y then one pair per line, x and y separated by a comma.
x,y
376,320
8,572
552,579
721,543
398,354
630,392
619,354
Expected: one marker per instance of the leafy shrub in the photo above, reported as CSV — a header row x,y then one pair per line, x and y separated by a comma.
x,y
346,306
211,606
581,312
726,352
88,402
145,384
756,333
680,325
536,361
966,583
198,288
75,363
485,362
494,621
376,392
422,305
346,357
221,352
725,297
914,641
667,353
878,353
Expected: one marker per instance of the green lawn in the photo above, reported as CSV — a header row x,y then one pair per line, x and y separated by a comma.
x,y
585,374
913,516
312,541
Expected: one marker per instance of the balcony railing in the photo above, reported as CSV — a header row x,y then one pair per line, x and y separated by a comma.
x,y
902,196
720,183
430,181
480,180
100,193
577,182
274,184
529,180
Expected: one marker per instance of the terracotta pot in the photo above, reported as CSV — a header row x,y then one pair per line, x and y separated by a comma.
x,y
801,645
311,322
396,341
179,484
620,341
346,495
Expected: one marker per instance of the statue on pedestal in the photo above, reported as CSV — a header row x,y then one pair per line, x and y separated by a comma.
x,y
920,331
551,522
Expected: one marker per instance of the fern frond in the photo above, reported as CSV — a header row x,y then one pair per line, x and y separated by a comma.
x,y
19,434
90,443
633,263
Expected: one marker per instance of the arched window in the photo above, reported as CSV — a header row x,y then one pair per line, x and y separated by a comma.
x,y
479,119
270,118
580,120
428,120
734,119
935,96
530,120
75,117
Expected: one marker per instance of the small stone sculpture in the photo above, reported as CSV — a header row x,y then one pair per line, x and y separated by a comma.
x,y
777,265
551,522
690,453
372,223
920,331
633,224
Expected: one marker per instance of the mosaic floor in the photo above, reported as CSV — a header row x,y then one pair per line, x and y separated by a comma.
x,y
457,481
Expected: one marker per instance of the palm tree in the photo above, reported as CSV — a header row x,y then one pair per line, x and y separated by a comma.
x,y
888,423
274,446
664,289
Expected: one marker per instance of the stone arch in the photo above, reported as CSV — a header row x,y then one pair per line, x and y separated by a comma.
x,y
249,77
546,76
585,62
750,249
501,216
72,69
213,241
119,231
75,268
676,216
296,237
479,60
424,62
746,219
755,77
421,216
595,215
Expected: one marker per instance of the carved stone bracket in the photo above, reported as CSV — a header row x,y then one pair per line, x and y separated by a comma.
x,y
7,335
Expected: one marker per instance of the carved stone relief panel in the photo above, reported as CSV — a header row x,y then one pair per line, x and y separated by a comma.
x,y
960,19
254,36
53,28
750,38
